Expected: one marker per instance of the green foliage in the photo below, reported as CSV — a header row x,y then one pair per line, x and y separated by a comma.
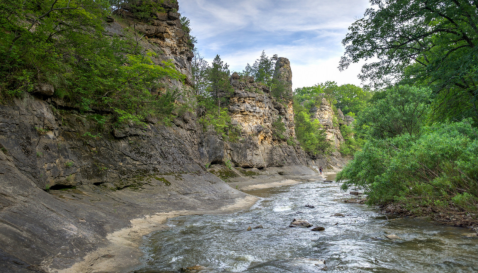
x,y
186,26
220,87
228,164
86,68
200,70
262,70
431,43
88,134
141,8
278,129
221,123
41,131
395,111
309,132
69,164
352,143
436,168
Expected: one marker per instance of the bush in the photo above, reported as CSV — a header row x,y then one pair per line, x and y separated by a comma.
x,y
436,169
309,132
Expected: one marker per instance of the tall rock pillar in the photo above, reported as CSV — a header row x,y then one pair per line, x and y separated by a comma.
x,y
283,73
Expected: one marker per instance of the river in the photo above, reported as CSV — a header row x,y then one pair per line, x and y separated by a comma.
x,y
356,242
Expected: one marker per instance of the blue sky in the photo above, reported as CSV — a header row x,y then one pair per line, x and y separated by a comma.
x,y
308,32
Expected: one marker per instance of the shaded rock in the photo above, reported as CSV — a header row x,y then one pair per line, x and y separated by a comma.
x,y
300,223
355,193
339,215
110,19
349,120
45,89
249,229
173,15
193,269
309,206
162,16
318,229
258,227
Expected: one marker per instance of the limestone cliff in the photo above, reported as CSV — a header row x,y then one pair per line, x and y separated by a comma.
x,y
329,121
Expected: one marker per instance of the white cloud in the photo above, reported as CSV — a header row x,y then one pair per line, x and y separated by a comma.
x,y
308,32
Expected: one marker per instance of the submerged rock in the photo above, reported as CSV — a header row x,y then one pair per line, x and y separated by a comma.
x,y
258,227
339,215
309,206
318,229
300,223
249,229
355,193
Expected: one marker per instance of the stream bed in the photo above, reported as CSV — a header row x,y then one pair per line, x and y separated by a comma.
x,y
356,242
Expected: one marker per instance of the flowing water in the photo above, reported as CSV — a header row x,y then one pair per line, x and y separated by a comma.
x,y
354,243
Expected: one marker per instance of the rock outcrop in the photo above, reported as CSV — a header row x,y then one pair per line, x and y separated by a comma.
x,y
255,110
325,114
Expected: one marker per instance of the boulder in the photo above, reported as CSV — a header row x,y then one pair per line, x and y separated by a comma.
x,y
249,229
162,16
300,223
393,237
174,15
318,229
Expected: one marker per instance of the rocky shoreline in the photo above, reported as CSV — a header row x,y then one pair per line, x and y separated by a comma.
x,y
122,253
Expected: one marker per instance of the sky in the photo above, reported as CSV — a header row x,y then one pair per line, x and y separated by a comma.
x,y
307,32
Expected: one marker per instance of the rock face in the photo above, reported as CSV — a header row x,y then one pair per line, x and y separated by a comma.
x,y
163,34
325,114
254,110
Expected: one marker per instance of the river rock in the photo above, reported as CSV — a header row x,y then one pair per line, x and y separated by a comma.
x,y
470,235
355,193
249,229
393,237
300,223
339,215
318,229
193,269
258,227
309,206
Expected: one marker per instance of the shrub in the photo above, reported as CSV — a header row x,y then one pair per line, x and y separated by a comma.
x,y
435,169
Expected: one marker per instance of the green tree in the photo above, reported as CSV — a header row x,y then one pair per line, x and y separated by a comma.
x,y
219,77
309,132
263,69
200,68
351,98
395,111
428,42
